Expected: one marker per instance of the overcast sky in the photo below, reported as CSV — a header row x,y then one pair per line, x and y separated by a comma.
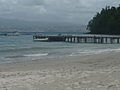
x,y
77,11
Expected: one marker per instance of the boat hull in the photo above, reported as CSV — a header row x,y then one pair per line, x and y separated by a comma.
x,y
41,40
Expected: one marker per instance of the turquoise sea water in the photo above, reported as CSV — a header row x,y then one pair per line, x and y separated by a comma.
x,y
22,48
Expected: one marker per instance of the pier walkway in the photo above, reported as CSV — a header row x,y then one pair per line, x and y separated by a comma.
x,y
102,39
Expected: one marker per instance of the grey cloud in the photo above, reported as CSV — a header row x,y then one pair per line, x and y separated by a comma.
x,y
30,2
77,11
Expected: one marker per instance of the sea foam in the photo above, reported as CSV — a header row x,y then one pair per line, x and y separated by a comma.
x,y
35,55
91,52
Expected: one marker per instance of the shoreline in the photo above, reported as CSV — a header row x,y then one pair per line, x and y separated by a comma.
x,y
91,72
63,57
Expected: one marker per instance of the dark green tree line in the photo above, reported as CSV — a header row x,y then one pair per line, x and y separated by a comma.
x,y
105,22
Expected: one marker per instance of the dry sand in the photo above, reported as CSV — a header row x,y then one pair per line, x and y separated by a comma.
x,y
92,72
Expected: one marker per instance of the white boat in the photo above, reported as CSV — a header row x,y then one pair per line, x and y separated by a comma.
x,y
13,34
40,39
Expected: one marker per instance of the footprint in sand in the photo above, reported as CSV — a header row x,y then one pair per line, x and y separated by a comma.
x,y
26,87
112,87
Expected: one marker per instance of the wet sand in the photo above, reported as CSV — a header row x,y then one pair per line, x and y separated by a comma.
x,y
92,72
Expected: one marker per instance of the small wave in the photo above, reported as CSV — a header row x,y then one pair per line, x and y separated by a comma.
x,y
90,52
33,48
28,55
35,55
17,56
23,49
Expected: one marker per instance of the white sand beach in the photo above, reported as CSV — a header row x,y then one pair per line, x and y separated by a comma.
x,y
92,72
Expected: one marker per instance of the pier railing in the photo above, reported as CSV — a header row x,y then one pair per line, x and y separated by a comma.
x,y
102,39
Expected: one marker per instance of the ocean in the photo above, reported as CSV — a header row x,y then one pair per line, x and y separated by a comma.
x,y
23,48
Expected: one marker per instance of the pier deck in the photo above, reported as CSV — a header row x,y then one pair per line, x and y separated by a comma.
x,y
102,39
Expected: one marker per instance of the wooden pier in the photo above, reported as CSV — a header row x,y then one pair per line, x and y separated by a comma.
x,y
101,39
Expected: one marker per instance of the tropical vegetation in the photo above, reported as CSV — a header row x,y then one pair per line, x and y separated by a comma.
x,y
105,22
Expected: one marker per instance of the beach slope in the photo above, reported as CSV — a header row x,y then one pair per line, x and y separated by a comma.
x,y
92,72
